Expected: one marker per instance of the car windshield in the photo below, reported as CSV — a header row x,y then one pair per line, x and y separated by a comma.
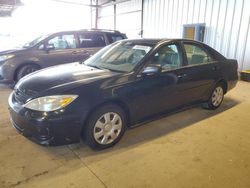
x,y
120,56
34,42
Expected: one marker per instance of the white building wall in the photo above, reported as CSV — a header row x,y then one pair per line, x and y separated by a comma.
x,y
128,17
106,18
125,16
227,22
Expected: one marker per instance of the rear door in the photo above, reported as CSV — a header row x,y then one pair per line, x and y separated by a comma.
x,y
199,73
88,44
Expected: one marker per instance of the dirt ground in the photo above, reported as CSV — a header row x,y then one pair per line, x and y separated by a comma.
x,y
192,148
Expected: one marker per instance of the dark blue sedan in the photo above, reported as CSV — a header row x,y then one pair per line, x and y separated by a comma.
x,y
121,86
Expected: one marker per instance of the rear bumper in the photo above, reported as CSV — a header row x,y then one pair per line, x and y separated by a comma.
x,y
231,84
55,128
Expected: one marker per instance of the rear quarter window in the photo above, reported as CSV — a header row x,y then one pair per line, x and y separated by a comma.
x,y
196,55
115,37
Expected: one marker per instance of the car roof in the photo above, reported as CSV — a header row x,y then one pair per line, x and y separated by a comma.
x,y
89,31
153,41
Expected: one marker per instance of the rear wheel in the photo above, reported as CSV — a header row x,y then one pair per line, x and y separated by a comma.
x,y
25,70
216,97
105,127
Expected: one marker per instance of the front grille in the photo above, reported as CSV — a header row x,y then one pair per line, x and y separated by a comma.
x,y
20,97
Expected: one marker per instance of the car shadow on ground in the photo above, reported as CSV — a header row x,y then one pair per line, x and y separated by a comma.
x,y
147,132
55,161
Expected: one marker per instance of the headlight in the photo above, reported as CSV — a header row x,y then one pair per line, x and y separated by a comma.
x,y
5,57
50,103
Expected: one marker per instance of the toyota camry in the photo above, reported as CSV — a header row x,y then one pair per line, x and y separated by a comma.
x,y
123,85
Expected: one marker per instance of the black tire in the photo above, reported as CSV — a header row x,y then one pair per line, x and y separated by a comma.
x,y
94,135
215,98
25,70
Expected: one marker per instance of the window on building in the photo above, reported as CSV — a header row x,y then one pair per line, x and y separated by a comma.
x,y
194,31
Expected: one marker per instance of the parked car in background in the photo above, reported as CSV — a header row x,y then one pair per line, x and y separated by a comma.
x,y
53,49
121,86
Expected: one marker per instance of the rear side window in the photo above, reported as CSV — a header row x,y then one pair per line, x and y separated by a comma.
x,y
63,42
91,40
114,37
196,55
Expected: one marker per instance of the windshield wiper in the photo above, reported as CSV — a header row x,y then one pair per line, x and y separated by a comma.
x,y
102,68
95,66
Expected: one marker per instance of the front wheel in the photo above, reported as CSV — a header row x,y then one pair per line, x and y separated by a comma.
x,y
105,127
216,97
25,70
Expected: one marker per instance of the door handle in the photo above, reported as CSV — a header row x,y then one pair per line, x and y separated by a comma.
x,y
83,52
182,75
216,67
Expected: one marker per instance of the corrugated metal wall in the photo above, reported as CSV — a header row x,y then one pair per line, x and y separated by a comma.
x,y
106,18
128,17
227,22
125,17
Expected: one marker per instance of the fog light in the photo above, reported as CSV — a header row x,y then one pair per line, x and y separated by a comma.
x,y
43,133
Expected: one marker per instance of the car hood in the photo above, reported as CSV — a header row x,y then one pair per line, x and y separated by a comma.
x,y
11,51
60,78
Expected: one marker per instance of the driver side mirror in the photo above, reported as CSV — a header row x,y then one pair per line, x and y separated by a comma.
x,y
152,69
49,47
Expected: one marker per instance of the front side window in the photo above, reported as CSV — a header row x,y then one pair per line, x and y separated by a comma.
x,y
41,47
196,55
63,42
168,57
91,40
119,56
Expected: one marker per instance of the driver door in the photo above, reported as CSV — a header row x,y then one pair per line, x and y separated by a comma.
x,y
63,52
162,91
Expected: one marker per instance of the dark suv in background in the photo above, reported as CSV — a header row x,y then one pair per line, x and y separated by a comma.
x,y
54,49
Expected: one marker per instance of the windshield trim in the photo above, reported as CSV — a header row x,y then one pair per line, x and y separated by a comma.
x,y
38,39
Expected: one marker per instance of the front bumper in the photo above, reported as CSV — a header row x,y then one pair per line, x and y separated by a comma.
x,y
53,128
